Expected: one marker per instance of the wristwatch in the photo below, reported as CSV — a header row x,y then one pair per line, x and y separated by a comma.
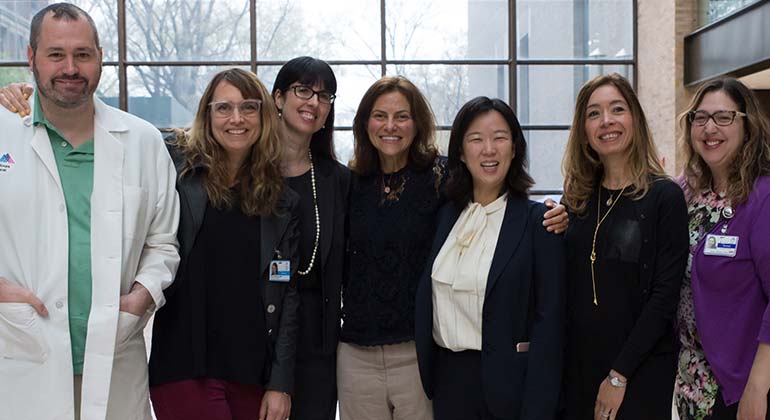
x,y
616,382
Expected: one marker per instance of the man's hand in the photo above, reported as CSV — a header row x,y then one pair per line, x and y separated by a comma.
x,y
137,301
13,293
556,219
15,98
275,406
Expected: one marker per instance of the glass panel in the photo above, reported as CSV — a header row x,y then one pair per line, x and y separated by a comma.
x,y
109,88
167,96
442,141
591,29
545,150
343,145
352,82
547,93
16,15
712,10
338,30
180,30
446,29
15,75
448,87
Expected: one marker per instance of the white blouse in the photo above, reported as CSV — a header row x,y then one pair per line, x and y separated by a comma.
x,y
459,275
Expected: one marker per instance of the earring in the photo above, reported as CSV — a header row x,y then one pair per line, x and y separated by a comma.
x,y
323,126
280,114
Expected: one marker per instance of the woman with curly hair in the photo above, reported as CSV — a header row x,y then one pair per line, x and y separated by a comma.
x,y
724,314
223,347
626,254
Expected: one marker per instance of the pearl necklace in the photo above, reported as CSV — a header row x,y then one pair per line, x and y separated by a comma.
x,y
317,219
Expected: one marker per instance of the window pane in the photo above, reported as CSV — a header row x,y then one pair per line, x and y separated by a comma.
x,y
448,87
352,82
343,145
16,15
109,88
181,30
590,29
15,75
167,96
446,29
332,30
547,93
545,150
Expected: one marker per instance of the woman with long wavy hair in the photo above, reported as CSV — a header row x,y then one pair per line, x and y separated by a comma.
x,y
626,254
224,345
724,312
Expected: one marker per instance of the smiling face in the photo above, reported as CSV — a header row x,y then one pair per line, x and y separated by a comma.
x,y
487,153
236,133
67,63
609,125
391,130
302,117
718,145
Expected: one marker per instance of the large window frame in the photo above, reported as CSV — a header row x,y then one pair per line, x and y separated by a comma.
x,y
254,63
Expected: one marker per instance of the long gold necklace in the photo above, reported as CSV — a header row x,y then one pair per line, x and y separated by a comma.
x,y
596,231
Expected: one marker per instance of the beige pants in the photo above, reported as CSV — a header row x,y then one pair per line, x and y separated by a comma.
x,y
380,383
78,387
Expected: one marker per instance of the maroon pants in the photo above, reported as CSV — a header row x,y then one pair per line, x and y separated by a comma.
x,y
205,398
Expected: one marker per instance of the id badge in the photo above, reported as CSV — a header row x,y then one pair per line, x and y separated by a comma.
x,y
280,271
721,245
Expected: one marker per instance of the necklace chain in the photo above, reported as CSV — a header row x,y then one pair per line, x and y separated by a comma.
x,y
596,231
317,219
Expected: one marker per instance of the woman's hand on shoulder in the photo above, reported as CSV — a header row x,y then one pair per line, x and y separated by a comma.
x,y
276,405
14,97
556,218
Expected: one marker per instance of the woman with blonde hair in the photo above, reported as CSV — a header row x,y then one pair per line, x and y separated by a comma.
x,y
223,347
724,314
626,253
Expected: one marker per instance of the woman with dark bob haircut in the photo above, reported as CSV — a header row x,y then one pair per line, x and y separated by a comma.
x,y
490,302
626,255
304,92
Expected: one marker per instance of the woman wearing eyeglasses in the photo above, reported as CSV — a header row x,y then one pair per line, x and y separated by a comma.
x,y
724,316
626,255
223,346
304,93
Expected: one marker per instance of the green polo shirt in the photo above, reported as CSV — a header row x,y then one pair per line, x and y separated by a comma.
x,y
76,171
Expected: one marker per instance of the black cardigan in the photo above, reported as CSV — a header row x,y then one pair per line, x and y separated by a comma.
x,y
178,341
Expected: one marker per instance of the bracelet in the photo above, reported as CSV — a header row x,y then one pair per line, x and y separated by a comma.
x,y
616,382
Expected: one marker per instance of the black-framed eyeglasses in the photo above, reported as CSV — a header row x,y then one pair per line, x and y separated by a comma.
x,y
246,108
721,118
305,92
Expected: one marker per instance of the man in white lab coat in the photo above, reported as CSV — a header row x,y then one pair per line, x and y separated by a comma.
x,y
88,219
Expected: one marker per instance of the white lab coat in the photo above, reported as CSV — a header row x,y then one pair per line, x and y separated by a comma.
x,y
134,217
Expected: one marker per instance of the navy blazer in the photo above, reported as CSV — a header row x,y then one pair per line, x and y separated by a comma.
x,y
528,268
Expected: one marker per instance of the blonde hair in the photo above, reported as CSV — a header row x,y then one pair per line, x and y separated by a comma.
x,y
260,181
753,158
581,164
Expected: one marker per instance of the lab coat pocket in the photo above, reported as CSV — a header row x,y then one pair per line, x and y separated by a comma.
x,y
128,325
135,201
20,335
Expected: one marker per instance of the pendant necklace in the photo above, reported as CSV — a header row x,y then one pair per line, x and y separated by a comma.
x,y
317,219
599,221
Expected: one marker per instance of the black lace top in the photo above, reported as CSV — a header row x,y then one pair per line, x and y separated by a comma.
x,y
392,223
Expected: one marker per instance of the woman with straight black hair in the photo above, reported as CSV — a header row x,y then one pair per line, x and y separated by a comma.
x,y
490,303
304,92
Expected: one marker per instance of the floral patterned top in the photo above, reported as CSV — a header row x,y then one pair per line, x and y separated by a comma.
x,y
696,387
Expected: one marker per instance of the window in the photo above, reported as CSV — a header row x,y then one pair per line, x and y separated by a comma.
x,y
534,54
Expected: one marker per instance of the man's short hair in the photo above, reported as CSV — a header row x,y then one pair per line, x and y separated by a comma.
x,y
64,11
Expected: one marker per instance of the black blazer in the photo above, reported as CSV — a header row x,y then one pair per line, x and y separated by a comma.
x,y
333,188
178,335
528,268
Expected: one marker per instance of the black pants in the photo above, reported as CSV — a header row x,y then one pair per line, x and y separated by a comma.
x,y
315,377
458,394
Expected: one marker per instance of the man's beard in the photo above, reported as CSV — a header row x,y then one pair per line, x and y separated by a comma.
x,y
49,92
